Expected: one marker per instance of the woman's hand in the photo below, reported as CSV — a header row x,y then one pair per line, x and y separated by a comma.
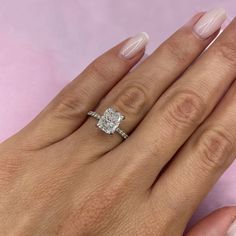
x,y
62,175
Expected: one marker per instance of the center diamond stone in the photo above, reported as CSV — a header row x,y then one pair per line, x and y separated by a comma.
x,y
110,121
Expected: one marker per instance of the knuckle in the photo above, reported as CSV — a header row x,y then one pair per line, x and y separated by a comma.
x,y
101,70
227,52
179,53
69,105
132,100
215,146
185,109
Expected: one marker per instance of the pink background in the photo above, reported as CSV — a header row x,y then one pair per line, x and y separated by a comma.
x,y
46,43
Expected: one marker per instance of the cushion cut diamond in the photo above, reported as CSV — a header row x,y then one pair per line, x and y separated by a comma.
x,y
110,121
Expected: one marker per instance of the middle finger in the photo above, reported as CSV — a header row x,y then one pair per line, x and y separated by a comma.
x,y
185,105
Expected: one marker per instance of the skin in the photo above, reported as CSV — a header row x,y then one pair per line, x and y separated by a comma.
x,y
61,175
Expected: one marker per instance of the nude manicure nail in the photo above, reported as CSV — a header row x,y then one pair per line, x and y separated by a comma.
x,y
210,22
232,229
134,45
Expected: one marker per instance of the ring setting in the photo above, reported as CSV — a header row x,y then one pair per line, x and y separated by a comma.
x,y
110,121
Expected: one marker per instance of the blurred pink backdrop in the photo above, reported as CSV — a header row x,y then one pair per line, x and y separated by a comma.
x,y
44,44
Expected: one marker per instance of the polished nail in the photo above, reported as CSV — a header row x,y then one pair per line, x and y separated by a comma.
x,y
210,22
232,229
134,45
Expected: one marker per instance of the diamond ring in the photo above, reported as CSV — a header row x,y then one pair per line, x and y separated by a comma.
x,y
109,122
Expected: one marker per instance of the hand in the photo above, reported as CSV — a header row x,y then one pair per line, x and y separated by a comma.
x,y
62,175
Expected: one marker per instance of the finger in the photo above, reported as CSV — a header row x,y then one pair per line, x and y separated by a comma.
x,y
201,161
139,90
69,109
185,105
218,223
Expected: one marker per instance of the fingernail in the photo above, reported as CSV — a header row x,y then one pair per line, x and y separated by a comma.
x,y
134,45
210,22
232,229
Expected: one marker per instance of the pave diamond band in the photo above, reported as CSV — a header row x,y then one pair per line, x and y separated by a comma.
x,y
109,122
